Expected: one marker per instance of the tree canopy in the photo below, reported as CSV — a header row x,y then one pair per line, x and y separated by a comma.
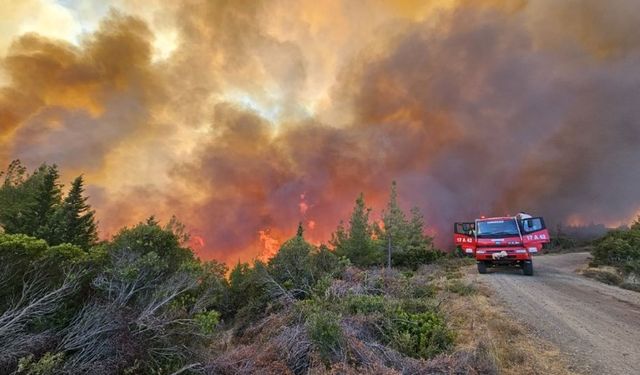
x,y
34,205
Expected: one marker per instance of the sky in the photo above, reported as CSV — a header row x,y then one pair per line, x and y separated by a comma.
x,y
243,118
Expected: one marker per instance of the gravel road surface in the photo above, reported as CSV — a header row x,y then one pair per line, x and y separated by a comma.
x,y
596,325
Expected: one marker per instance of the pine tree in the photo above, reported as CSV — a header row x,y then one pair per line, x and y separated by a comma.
x,y
410,246
15,174
15,200
420,249
48,195
76,220
395,222
357,243
28,205
291,266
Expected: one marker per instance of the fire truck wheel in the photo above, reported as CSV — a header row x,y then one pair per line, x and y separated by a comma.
x,y
527,268
482,267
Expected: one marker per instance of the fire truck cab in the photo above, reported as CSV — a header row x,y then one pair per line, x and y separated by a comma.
x,y
502,241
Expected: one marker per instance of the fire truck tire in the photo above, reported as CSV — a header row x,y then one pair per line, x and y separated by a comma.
x,y
527,268
482,267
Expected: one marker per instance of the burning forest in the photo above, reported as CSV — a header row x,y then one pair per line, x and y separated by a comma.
x,y
269,187
244,118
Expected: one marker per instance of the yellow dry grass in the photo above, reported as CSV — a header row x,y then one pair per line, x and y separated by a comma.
x,y
480,322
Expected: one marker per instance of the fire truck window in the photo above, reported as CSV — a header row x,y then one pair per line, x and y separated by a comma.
x,y
532,225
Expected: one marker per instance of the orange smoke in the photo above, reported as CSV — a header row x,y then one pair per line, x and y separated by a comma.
x,y
197,242
240,116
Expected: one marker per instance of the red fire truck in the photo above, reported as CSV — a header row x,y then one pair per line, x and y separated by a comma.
x,y
495,241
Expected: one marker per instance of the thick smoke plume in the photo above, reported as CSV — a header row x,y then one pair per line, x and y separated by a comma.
x,y
265,114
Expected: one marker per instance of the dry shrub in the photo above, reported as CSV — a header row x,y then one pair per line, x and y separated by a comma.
x,y
342,288
427,269
251,359
607,275
267,327
276,344
477,361
353,275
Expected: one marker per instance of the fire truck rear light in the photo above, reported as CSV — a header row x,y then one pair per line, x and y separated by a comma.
x,y
479,251
533,249
468,251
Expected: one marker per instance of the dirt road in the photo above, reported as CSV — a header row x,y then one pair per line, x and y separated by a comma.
x,y
596,325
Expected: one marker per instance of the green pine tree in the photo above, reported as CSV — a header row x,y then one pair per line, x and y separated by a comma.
x,y
48,196
396,226
75,219
291,266
410,246
357,243
28,204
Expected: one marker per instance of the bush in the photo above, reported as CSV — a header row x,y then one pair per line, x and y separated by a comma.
x,y
325,333
365,304
413,257
208,321
419,335
605,276
326,263
48,364
423,291
615,251
619,248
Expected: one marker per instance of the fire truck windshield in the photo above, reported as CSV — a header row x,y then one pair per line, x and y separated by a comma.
x,y
497,228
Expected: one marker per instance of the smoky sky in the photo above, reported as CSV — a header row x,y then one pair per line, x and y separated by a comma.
x,y
267,114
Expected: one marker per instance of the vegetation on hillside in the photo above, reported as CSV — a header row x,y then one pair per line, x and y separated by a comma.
x,y
620,249
142,302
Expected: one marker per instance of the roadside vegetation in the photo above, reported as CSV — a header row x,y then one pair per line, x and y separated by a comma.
x,y
142,302
616,258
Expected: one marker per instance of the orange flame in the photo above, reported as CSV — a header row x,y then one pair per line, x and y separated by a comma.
x,y
270,244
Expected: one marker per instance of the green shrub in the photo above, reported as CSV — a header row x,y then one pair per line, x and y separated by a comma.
x,y
325,333
46,365
632,266
414,306
413,257
629,286
619,248
615,250
365,304
324,262
208,321
419,335
423,291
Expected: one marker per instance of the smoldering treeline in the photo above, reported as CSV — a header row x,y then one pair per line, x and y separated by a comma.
x,y
488,108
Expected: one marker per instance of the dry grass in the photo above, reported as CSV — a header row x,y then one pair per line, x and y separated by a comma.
x,y
605,274
483,327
